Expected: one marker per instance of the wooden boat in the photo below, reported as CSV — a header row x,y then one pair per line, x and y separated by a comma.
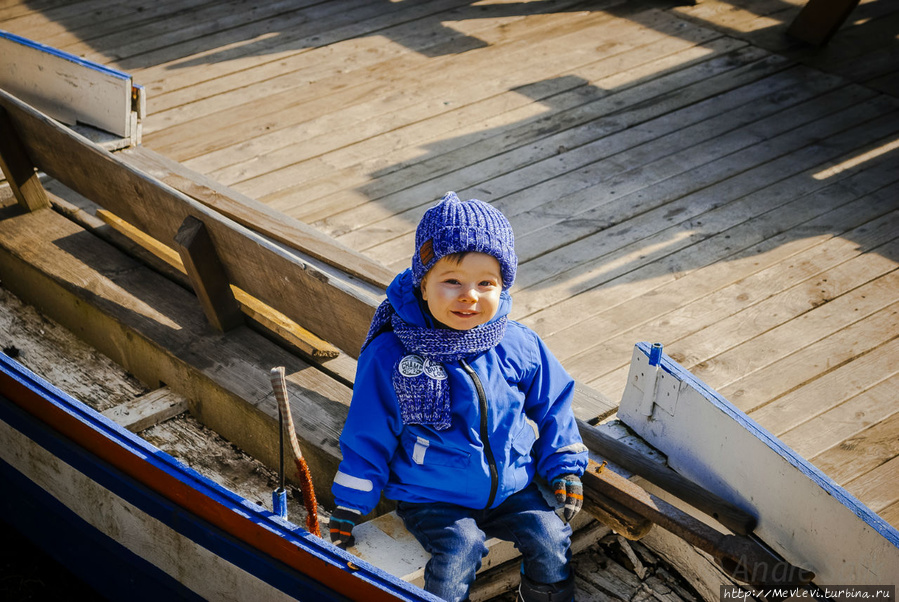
x,y
774,520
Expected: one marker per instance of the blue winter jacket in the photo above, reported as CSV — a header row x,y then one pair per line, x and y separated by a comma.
x,y
511,418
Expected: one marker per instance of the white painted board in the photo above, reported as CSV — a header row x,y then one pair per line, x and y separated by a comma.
x,y
64,86
803,514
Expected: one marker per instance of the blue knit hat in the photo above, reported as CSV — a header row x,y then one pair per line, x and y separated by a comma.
x,y
455,226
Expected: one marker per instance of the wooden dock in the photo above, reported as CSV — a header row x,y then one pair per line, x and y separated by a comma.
x,y
686,174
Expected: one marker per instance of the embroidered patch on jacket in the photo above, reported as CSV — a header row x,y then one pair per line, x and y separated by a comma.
x,y
434,370
426,252
411,366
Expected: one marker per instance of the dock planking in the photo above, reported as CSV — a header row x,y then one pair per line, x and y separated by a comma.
x,y
682,173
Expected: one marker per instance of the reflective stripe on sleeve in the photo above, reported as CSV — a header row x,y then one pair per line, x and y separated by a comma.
x,y
342,478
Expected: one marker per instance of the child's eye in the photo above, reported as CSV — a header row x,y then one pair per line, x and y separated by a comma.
x,y
451,281
488,283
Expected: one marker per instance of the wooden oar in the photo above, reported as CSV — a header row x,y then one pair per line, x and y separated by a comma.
x,y
740,556
279,385
616,452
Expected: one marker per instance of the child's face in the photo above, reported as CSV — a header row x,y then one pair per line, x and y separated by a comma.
x,y
465,294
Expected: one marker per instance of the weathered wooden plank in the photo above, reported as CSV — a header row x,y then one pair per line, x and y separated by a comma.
x,y
862,453
71,27
258,217
580,266
172,38
152,328
471,127
66,87
453,155
829,390
207,275
834,427
573,216
877,489
18,168
307,53
464,120
786,313
723,261
269,273
408,205
148,410
752,390
356,104
320,26
797,332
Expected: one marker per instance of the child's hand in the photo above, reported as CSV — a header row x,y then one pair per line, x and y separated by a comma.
x,y
569,491
342,522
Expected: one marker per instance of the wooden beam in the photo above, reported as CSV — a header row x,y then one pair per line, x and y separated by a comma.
x,y
207,275
154,329
740,556
18,168
334,307
267,317
258,217
148,410
819,20
630,459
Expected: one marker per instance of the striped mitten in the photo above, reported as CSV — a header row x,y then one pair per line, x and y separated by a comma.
x,y
569,491
342,522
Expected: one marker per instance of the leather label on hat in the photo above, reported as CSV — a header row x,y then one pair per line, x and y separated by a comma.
x,y
426,252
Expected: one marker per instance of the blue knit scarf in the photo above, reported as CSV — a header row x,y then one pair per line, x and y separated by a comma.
x,y
419,378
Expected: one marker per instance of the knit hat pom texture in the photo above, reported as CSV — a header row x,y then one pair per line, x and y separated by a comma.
x,y
456,226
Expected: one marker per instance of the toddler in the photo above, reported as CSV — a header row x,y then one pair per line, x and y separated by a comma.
x,y
457,411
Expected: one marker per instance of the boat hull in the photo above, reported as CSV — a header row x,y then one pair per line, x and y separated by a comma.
x,y
133,522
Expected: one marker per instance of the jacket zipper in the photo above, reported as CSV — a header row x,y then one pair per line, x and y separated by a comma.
x,y
488,451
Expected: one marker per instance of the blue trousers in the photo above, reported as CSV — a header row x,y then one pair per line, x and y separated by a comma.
x,y
455,537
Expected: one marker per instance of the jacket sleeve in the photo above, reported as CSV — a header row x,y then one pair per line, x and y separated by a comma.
x,y
559,449
370,434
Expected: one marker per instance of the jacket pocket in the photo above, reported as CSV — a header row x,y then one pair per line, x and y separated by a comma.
x,y
525,437
426,452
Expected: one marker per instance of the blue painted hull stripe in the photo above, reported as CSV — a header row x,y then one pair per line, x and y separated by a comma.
x,y
64,55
